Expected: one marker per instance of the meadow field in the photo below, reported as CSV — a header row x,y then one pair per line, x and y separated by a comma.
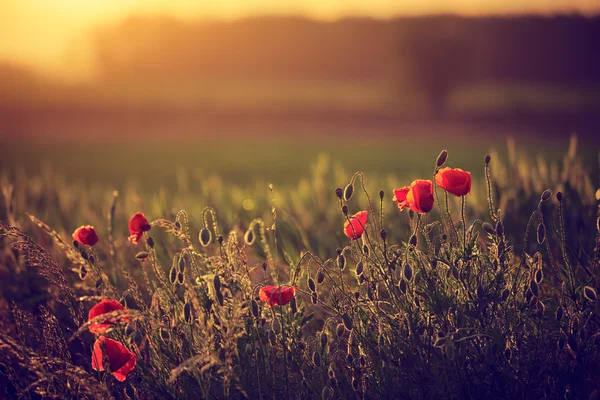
x,y
491,294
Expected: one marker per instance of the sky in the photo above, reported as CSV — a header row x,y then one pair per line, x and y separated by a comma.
x,y
49,34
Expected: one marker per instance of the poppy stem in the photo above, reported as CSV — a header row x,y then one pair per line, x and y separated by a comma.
x,y
464,222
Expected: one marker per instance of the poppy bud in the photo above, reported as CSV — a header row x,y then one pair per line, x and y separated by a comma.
x,y
177,225
217,283
249,237
539,276
440,342
317,359
403,286
181,265
254,308
534,288
449,348
293,306
142,255
417,302
408,272
311,285
381,194
488,228
480,292
355,384
359,268
339,192
559,313
541,233
301,346
559,196
173,275
347,321
339,330
500,228
99,283
320,277
505,294
75,244
220,239
82,272
366,250
561,342
276,326
264,266
204,237
572,342
487,159
345,209
314,298
180,278
323,340
589,293
150,242
165,335
545,195
349,356
582,334
85,255
249,349
341,261
383,234
187,312
413,240
272,337
441,158
348,191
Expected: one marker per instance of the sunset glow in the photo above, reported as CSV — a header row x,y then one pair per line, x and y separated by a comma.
x,y
50,34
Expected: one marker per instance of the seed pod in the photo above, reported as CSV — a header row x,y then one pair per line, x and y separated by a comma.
x,y
276,326
488,228
220,298
589,293
505,294
341,261
500,228
413,240
339,330
82,272
347,321
173,275
249,237
314,298
348,191
272,338
180,278
408,272
204,237
534,288
320,277
487,159
293,306
541,233
187,312
359,268
383,234
339,192
254,308
150,241
323,340
403,286
546,195
539,276
559,313
441,158
165,335
316,359
217,283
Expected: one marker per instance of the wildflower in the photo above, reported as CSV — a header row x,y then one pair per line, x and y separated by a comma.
x,y
277,296
400,197
355,226
138,224
454,180
104,307
420,196
85,234
121,360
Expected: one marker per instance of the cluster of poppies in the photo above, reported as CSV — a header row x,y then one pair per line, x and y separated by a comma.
x,y
138,224
418,197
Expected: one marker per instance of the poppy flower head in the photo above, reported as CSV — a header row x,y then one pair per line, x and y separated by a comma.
x,y
454,181
121,360
355,226
86,235
400,197
104,307
277,295
138,224
420,196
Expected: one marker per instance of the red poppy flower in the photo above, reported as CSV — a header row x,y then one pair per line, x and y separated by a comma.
x,y
420,196
85,234
454,180
400,197
277,296
121,360
138,224
104,307
355,227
